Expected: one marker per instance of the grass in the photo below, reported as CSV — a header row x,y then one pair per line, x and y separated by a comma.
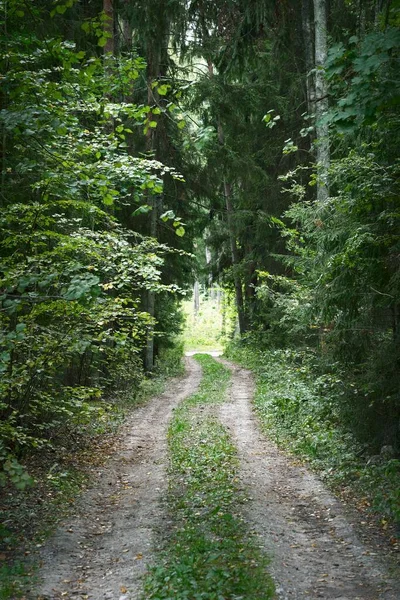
x,y
301,411
209,554
203,331
13,579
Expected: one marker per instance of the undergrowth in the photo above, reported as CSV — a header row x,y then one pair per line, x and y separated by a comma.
x,y
301,411
209,554
30,515
203,330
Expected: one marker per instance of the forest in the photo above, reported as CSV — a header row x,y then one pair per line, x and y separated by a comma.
x,y
253,145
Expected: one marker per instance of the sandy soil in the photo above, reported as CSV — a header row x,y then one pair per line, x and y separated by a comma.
x,y
103,550
314,547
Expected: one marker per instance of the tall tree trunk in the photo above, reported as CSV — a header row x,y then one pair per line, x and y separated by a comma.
x,y
321,100
153,202
108,7
232,236
196,298
151,297
223,313
235,258
156,67
208,263
309,53
362,18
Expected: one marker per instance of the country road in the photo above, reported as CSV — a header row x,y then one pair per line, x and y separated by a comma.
x,y
102,551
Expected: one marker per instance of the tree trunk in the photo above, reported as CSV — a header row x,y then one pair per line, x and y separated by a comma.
x,y
208,263
321,100
151,297
223,313
196,298
235,258
109,25
309,53
153,60
233,245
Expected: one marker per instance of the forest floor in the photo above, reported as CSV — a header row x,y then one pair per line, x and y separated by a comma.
x,y
104,548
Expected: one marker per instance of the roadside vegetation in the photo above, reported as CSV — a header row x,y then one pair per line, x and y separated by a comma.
x,y
308,412
208,553
59,476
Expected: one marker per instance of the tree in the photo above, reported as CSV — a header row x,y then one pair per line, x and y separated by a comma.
x,y
73,273
321,99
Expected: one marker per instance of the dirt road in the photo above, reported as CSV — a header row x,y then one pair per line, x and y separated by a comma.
x,y
314,549
103,550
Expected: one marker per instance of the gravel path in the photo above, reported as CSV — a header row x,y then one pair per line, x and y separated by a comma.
x,y
314,548
103,550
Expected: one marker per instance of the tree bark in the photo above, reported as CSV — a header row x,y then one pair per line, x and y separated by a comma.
x,y
154,60
235,258
151,297
196,298
109,25
321,100
232,237
309,53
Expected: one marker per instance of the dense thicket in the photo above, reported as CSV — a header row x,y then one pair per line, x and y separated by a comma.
x,y
77,188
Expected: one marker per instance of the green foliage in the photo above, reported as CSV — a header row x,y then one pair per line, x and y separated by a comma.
x,y
281,316
343,296
203,331
363,78
13,579
209,554
13,471
314,414
72,273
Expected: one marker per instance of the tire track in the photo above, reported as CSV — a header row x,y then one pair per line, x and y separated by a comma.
x,y
104,549
314,548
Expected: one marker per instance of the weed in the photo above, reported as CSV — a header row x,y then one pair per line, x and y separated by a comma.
x,y
13,578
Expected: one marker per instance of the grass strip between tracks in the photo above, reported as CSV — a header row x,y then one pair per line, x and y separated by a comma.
x,y
208,553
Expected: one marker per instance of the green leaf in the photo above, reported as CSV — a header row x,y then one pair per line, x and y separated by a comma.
x,y
163,89
169,214
108,200
102,42
145,208
180,231
181,124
